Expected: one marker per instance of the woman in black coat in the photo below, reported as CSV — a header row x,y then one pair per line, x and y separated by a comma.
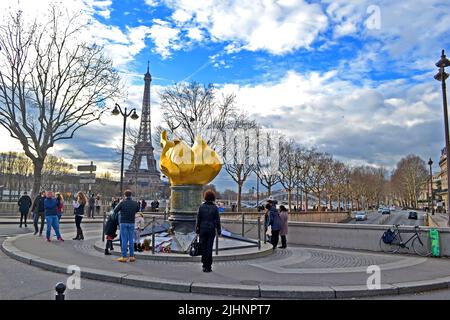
x,y
208,222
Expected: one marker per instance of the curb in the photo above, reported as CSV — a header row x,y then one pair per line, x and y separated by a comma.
x,y
235,290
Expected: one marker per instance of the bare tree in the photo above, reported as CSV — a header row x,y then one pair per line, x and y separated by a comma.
x,y
288,167
51,82
267,164
191,108
238,156
408,178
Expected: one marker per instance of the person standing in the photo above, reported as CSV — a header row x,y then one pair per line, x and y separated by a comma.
x,y
284,216
111,231
38,210
142,205
91,208
24,204
114,202
51,216
208,223
274,222
139,225
59,205
78,206
127,209
97,205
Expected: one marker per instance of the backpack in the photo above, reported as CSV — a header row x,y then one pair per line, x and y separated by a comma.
x,y
388,236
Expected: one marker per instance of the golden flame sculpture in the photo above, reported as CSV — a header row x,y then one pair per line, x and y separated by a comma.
x,y
183,165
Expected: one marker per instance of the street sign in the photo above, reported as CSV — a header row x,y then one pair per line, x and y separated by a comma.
x,y
90,181
89,168
87,175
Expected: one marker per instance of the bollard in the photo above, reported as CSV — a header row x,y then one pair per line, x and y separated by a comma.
x,y
60,289
103,231
153,235
243,228
259,233
217,244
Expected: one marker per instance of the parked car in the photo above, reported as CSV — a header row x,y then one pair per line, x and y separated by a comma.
x,y
386,211
360,215
412,215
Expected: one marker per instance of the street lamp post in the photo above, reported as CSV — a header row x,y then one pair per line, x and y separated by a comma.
x,y
125,114
430,163
442,76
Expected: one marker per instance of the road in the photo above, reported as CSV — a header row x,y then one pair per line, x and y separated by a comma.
x,y
396,217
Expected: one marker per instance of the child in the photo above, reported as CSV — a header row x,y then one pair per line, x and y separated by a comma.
x,y
139,224
110,231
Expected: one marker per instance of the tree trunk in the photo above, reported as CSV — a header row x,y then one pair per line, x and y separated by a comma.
x,y
269,190
38,165
289,199
306,200
339,202
239,197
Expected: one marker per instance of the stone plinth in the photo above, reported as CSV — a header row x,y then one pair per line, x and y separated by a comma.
x,y
184,203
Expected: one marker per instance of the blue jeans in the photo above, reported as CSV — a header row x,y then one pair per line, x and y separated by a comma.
x,y
52,221
127,237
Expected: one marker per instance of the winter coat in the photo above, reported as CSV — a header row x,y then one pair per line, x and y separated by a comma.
x,y
24,204
139,222
59,207
38,204
275,220
91,202
111,225
78,208
284,223
128,209
208,219
50,207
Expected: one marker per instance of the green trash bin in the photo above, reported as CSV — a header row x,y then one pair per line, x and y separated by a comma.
x,y
434,240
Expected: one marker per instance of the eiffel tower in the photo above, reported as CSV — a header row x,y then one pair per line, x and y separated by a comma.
x,y
146,181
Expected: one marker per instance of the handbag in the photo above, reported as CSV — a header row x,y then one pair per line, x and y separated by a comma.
x,y
269,231
195,249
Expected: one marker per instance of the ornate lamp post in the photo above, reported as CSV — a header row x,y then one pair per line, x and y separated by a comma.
x,y
442,76
430,163
125,114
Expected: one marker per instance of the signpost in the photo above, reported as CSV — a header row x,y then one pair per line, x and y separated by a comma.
x,y
87,178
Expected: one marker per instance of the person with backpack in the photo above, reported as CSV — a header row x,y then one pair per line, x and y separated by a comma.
x,y
111,225
38,212
24,204
284,226
274,222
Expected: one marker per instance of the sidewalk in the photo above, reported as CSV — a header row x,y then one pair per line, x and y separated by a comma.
x,y
297,272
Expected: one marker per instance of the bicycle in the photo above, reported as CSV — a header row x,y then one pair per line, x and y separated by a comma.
x,y
420,247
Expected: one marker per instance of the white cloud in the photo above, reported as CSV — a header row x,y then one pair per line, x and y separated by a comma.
x,y
365,124
165,37
274,26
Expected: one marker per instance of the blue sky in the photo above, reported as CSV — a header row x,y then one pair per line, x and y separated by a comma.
x,y
353,78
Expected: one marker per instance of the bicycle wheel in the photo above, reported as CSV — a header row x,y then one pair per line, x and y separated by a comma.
x,y
421,247
392,247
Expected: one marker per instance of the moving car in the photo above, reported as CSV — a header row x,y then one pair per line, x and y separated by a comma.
x,y
412,215
360,215
386,211
380,209
392,208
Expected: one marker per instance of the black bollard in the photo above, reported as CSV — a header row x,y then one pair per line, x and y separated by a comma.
x,y
153,235
60,289
259,233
